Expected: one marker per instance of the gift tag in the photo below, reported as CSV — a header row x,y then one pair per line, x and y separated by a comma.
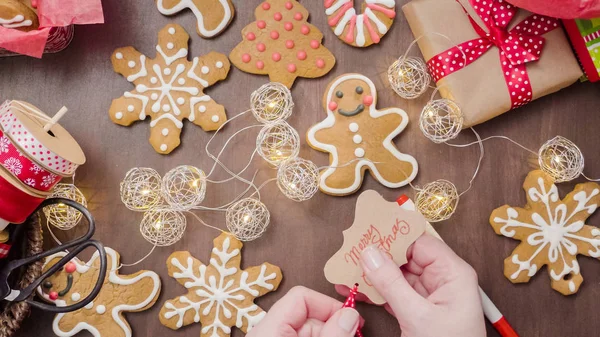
x,y
376,222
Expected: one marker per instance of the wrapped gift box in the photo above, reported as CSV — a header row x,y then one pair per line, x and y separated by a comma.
x,y
585,38
484,88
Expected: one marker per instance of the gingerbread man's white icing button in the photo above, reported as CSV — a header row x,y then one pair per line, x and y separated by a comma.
x,y
353,127
89,305
357,139
75,297
100,309
359,152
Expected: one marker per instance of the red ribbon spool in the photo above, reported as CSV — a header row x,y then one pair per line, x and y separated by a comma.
x,y
16,205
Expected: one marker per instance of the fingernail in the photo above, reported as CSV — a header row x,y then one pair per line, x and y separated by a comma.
x,y
372,258
348,319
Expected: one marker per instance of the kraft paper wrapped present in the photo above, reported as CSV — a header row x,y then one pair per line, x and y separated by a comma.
x,y
585,38
512,56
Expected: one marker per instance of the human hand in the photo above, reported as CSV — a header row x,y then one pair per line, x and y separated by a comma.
x,y
435,294
306,313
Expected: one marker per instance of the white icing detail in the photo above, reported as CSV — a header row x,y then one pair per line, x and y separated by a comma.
x,y
202,108
381,27
554,230
353,127
359,152
90,305
130,108
337,5
163,147
119,56
339,29
360,30
572,287
119,115
205,70
16,22
175,121
217,291
171,30
165,132
153,80
142,98
166,88
215,118
181,101
100,310
387,3
154,96
193,102
387,142
167,71
170,45
357,139
75,297
181,53
131,64
227,15
596,232
166,108
191,74
112,278
143,72
219,64
181,81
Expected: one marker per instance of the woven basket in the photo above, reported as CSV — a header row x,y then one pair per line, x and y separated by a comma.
x,y
12,314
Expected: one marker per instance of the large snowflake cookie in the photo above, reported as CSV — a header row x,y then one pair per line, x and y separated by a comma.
x,y
364,29
169,88
119,294
552,232
220,294
212,16
359,137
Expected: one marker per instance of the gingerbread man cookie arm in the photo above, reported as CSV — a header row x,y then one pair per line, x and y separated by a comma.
x,y
203,10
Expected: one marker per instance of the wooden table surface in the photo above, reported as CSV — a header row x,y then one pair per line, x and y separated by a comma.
x,y
302,236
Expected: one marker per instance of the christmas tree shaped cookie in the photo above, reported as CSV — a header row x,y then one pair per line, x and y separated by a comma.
x,y
282,44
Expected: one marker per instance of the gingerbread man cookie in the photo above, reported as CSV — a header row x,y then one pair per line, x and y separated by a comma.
x,y
220,294
282,44
119,294
169,88
552,232
364,29
15,14
359,137
212,16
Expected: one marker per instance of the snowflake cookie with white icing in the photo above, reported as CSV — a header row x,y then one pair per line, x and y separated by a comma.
x,y
212,16
169,88
220,295
359,137
552,232
103,317
17,15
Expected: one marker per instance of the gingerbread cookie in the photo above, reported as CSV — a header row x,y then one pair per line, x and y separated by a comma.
x,y
212,16
552,232
15,14
282,44
220,294
169,88
364,29
119,294
359,137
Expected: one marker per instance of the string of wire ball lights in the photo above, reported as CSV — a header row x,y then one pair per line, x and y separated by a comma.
x,y
441,120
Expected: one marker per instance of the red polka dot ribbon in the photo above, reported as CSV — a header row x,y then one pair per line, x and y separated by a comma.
x,y
23,168
517,46
351,303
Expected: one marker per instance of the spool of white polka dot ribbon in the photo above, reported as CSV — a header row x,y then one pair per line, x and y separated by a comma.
x,y
55,150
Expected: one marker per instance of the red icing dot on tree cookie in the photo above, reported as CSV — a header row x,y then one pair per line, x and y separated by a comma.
x,y
246,58
266,6
250,36
288,26
289,5
260,64
276,57
301,55
289,44
314,44
332,105
274,35
305,30
277,16
320,63
261,47
291,68
261,24
298,16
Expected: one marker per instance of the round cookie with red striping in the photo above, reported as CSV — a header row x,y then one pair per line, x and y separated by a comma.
x,y
282,44
360,30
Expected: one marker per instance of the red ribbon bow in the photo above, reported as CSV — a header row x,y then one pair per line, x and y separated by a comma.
x,y
351,303
517,46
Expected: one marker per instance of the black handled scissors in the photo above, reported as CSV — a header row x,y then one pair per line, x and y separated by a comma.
x,y
75,247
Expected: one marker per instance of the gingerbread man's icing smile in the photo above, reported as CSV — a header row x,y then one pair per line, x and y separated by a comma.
x,y
350,98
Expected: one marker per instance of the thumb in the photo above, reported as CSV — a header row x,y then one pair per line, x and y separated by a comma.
x,y
386,277
343,323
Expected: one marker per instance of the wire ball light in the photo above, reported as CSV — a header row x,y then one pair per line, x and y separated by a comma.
x,y
409,77
278,142
437,200
247,219
441,120
298,179
60,215
184,187
163,227
140,189
272,103
561,159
